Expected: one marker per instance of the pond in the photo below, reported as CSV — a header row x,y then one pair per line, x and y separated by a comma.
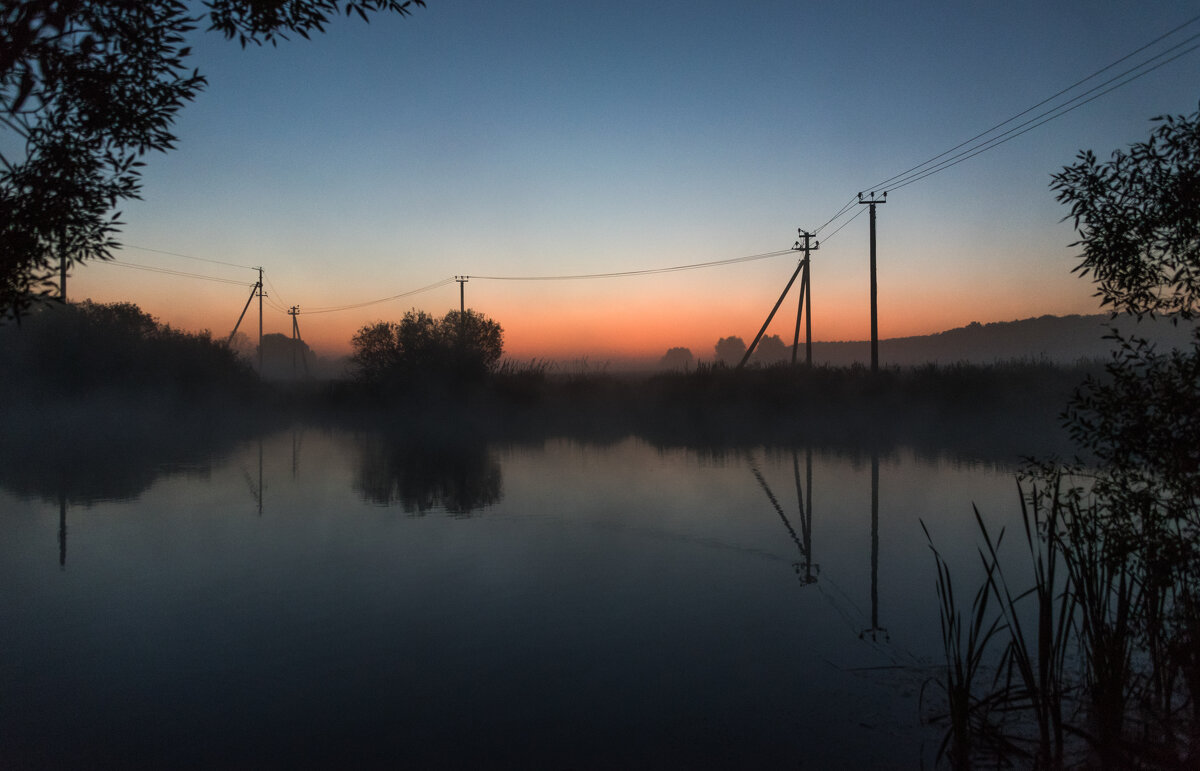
x,y
315,597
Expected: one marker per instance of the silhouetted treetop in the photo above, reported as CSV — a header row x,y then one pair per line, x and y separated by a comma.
x,y
88,87
677,358
1138,218
461,346
730,350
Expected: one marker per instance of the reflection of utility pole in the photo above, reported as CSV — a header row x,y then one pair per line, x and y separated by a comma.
x,y
872,202
875,628
62,529
260,477
805,515
805,546
805,301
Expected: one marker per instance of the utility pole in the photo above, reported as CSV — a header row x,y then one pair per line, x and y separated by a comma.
x,y
804,308
293,312
62,277
872,202
462,298
260,303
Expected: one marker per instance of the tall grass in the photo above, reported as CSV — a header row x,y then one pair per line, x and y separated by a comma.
x,y
1096,656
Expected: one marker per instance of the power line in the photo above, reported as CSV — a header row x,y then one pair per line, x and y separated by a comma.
x,y
170,272
1005,137
1076,84
925,169
645,272
352,306
844,224
187,256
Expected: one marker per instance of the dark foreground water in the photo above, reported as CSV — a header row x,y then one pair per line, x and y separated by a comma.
x,y
322,598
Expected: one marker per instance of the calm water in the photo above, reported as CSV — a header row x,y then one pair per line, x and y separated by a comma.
x,y
315,598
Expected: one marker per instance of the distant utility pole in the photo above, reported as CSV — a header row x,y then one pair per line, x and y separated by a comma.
x,y
260,299
804,308
462,297
872,202
297,343
292,311
62,277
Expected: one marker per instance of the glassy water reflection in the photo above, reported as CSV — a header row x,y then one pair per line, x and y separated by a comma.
x,y
319,597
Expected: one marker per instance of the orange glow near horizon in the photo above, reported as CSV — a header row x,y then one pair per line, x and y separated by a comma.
x,y
599,320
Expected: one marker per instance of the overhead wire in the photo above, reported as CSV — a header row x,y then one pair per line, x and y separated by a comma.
x,y
974,147
186,256
1026,127
352,306
1047,100
844,224
644,272
171,272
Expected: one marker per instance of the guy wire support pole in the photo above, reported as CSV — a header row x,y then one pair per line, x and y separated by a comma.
x,y
770,316
253,290
805,301
872,201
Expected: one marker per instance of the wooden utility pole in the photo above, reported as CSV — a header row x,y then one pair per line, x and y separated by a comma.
x,y
872,202
462,297
260,299
62,277
804,308
293,311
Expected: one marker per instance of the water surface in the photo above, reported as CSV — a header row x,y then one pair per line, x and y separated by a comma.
x,y
317,597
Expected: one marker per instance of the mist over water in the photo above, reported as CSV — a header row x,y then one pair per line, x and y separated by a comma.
x,y
313,596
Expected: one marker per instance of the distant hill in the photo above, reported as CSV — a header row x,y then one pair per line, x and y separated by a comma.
x,y
1060,339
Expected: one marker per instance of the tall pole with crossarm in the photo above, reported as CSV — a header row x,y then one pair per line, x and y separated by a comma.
x,y
872,202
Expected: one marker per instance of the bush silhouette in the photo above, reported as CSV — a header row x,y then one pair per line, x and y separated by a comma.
x,y
461,347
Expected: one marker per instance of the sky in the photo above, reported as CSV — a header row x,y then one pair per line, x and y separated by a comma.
x,y
547,138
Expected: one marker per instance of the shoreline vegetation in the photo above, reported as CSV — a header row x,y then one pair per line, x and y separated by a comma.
x,y
92,370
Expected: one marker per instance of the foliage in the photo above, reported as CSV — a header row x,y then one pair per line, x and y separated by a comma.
x,y
80,348
1138,217
1127,528
771,350
460,347
88,87
678,359
730,350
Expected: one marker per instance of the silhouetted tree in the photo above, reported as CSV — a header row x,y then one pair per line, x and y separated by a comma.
x,y
284,356
461,347
1138,219
88,87
771,350
677,359
730,350
81,347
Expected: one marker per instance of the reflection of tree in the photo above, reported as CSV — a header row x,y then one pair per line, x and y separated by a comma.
x,y
88,466
423,473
